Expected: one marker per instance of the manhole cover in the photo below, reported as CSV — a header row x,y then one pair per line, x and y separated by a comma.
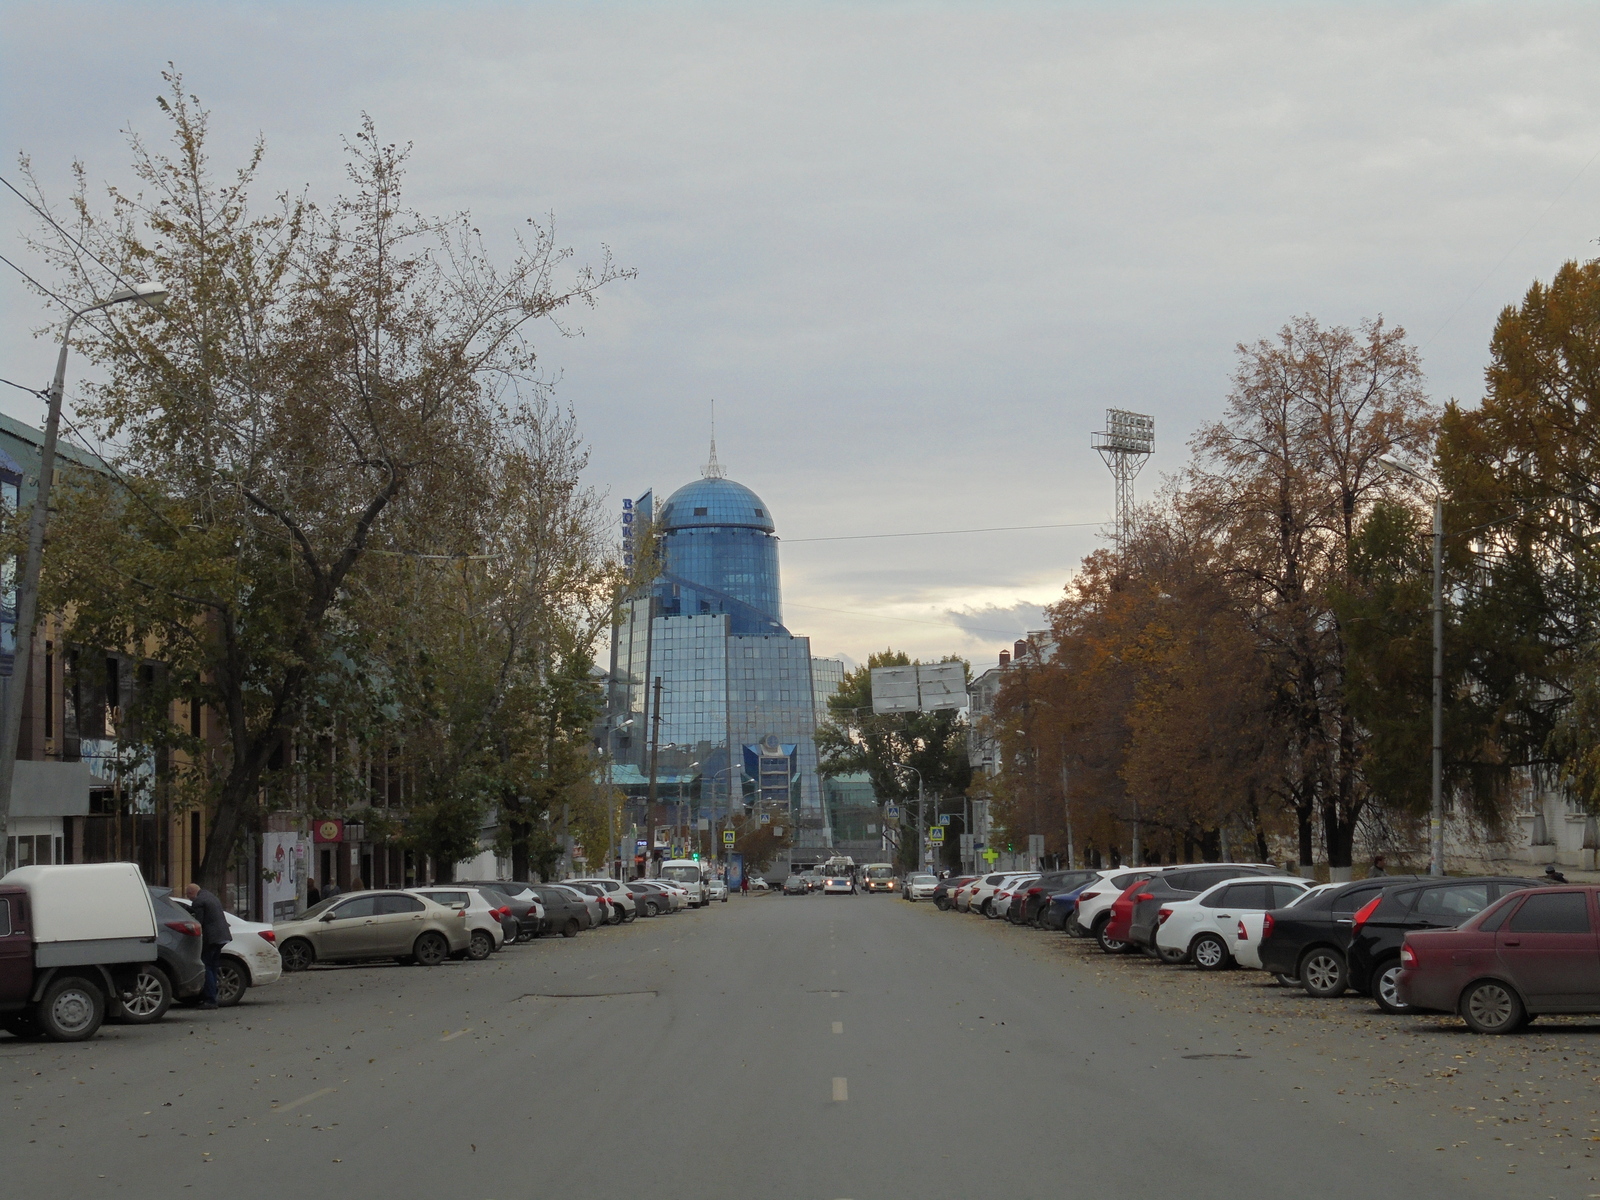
x,y
1198,1056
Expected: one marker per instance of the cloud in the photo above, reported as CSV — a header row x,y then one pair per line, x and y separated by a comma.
x,y
993,622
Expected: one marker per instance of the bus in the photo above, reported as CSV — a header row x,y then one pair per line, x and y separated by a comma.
x,y
689,875
879,878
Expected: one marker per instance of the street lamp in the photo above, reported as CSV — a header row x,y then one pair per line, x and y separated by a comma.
x,y
149,293
1436,823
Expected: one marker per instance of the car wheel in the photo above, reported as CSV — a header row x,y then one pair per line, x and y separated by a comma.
x,y
233,981
1172,957
651,908
297,954
146,1000
1385,988
430,949
512,928
1209,953
570,929
1322,973
71,1010
1286,980
1108,944
986,908
1492,1007
942,904
480,946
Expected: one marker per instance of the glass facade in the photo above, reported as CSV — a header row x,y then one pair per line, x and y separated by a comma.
x,y
719,554
732,677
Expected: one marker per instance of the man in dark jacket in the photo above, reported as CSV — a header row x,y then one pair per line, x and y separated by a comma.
x,y
214,935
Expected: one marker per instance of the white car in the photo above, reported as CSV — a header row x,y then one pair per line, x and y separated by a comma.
x,y
1205,927
920,887
249,960
1008,891
979,895
1246,946
1094,903
758,884
487,935
838,885
718,889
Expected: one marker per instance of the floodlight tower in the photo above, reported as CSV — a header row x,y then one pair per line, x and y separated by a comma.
x,y
1125,443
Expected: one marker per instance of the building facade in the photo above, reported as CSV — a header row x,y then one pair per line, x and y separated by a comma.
x,y
709,693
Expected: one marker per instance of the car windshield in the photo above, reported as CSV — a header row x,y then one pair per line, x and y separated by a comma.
x,y
881,873
682,874
316,910
922,879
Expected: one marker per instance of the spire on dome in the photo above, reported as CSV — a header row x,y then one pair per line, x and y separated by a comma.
x,y
713,469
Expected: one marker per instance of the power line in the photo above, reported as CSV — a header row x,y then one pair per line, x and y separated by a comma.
x,y
857,537
117,275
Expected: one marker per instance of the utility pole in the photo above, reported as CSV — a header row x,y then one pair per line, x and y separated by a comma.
x,y
655,740
1066,803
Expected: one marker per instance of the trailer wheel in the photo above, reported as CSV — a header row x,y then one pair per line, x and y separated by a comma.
x,y
71,1009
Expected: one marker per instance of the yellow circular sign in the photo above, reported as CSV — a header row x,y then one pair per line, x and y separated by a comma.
x,y
329,831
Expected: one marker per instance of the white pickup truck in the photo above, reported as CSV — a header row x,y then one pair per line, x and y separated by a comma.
x,y
70,937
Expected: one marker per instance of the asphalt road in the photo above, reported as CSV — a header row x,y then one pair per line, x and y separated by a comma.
x,y
808,1048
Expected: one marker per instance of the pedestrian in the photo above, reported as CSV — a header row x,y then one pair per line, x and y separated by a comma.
x,y
313,897
1380,866
214,935
744,886
356,885
331,890
1553,875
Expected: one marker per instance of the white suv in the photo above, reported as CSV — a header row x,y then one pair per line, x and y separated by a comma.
x,y
1205,928
1095,901
980,897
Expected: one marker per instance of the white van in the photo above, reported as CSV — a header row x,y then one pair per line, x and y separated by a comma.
x,y
689,875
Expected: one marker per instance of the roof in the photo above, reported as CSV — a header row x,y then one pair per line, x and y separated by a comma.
x,y
718,502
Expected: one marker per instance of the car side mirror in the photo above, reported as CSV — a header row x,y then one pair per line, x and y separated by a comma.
x,y
327,916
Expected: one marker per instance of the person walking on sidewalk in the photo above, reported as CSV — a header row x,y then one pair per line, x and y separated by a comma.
x,y
214,935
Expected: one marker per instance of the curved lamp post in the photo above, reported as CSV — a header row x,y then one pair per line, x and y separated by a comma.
x,y
154,295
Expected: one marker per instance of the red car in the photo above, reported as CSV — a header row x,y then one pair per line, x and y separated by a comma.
x,y
1533,952
1114,938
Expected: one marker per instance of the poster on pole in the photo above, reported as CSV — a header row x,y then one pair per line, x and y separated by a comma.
x,y
735,872
280,868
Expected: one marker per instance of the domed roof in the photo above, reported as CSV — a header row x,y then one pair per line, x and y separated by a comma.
x,y
715,501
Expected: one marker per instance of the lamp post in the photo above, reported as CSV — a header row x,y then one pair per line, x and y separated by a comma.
x,y
921,814
1436,821
154,295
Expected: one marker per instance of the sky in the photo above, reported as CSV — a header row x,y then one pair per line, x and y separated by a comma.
x,y
912,251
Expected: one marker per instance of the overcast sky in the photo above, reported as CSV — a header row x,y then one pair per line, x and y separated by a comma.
x,y
913,251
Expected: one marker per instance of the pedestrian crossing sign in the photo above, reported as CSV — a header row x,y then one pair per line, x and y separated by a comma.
x,y
727,837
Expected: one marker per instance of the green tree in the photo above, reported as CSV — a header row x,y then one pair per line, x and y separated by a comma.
x,y
855,740
319,378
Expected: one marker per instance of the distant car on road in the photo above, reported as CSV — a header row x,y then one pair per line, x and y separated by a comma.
x,y
757,884
879,877
838,885
718,889
796,885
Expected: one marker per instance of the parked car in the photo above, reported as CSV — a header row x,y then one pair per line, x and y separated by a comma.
x,y
1000,902
1180,883
1093,911
651,897
758,884
618,891
1529,953
921,887
796,885
71,937
1380,927
522,914
946,888
1035,898
568,912
177,974
1307,945
250,960
1060,910
485,935
611,913
1246,945
979,895
718,889
362,926
1204,928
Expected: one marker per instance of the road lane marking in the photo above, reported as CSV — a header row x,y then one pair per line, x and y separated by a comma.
x,y
306,1099
450,1037
841,1088
838,1026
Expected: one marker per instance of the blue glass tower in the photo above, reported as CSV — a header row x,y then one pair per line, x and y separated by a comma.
x,y
719,554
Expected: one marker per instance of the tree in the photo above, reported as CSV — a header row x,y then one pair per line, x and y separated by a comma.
x,y
1285,479
856,740
319,380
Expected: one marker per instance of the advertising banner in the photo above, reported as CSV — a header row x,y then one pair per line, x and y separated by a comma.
x,y
281,868
735,872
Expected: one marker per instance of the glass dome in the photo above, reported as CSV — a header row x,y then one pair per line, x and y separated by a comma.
x,y
715,502
719,554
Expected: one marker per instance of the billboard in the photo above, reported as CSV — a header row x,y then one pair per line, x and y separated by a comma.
x,y
894,690
927,687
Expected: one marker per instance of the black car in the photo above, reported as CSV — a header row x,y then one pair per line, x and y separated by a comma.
x,y
518,919
563,913
1182,883
177,973
941,894
1373,960
1035,898
1306,942
651,897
